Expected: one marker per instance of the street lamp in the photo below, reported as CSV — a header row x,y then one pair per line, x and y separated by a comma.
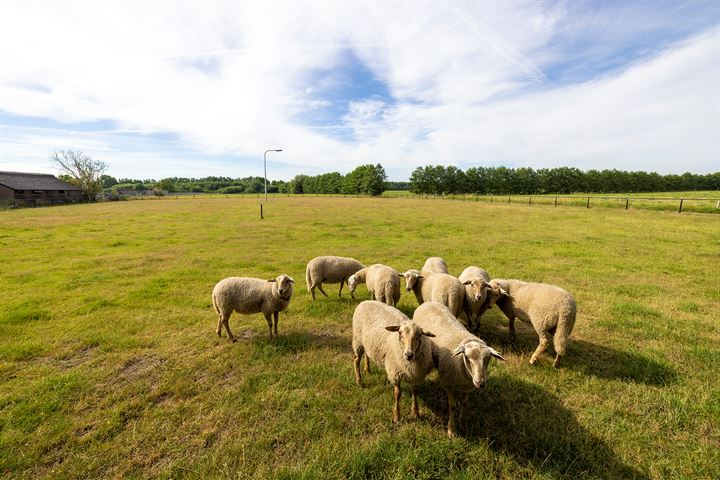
x,y
265,167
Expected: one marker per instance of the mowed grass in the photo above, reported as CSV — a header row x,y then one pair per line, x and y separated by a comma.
x,y
110,366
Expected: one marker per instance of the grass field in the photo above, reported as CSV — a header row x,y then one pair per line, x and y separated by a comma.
x,y
110,366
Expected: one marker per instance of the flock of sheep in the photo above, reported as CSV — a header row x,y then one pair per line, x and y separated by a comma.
x,y
408,349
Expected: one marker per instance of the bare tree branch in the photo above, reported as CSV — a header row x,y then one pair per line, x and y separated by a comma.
x,y
84,170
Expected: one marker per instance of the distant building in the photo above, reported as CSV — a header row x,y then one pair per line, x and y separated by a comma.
x,y
36,189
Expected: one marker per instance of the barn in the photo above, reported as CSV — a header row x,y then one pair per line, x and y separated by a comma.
x,y
34,189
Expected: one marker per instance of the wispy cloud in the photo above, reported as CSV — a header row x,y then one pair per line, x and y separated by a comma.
x,y
193,89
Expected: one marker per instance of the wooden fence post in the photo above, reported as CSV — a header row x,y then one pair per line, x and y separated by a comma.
x,y
491,198
681,202
261,212
627,202
530,200
588,203
556,201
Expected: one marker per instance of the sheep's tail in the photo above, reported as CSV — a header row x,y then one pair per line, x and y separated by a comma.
x,y
215,306
453,305
389,294
307,278
564,328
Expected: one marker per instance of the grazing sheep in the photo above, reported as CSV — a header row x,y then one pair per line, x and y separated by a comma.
x,y
460,357
436,287
382,282
406,357
435,265
476,284
330,269
550,310
251,295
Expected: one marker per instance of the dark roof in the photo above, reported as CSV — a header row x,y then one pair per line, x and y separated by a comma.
x,y
34,181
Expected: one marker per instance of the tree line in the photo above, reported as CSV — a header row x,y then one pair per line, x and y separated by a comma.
x,y
364,180
442,180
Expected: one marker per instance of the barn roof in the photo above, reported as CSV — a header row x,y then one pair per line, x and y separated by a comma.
x,y
34,181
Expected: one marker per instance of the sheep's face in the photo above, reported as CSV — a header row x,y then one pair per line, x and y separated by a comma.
x,y
352,283
476,357
494,292
411,277
477,289
284,285
410,336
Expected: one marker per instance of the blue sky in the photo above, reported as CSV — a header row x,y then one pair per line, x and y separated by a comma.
x,y
195,89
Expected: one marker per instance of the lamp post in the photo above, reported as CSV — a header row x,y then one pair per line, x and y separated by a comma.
x,y
265,167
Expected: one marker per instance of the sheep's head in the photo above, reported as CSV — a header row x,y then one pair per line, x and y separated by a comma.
x,y
411,277
477,289
352,283
494,292
283,285
410,336
476,357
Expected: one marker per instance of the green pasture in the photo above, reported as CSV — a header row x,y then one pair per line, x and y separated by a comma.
x,y
110,366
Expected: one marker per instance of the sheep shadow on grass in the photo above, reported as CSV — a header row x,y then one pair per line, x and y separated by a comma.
x,y
294,341
531,425
585,357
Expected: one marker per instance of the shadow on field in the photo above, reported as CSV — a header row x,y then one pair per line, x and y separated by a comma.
x,y
585,357
526,422
298,341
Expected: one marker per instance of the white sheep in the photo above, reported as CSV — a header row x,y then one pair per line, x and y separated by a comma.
x,y
382,282
329,269
460,357
251,295
475,280
385,335
549,309
435,265
436,287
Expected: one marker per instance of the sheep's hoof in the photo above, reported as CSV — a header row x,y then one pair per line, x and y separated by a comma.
x,y
233,339
451,434
533,361
556,363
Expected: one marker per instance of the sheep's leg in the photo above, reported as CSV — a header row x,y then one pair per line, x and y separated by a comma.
x,y
268,318
219,326
452,423
558,358
342,282
312,292
396,408
319,286
415,409
540,348
367,364
462,408
276,316
357,357
511,326
225,321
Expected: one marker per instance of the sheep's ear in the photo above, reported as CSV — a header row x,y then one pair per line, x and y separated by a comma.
x,y
393,328
272,280
420,276
495,354
428,334
402,275
487,285
504,292
467,282
459,350
291,280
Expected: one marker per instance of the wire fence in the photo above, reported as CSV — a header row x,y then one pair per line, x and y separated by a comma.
x,y
676,204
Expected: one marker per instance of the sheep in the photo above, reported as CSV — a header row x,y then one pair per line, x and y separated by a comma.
x,y
251,295
460,357
330,269
406,357
437,287
475,280
435,265
550,310
382,282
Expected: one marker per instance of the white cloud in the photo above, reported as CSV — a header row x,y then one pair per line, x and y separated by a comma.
x,y
233,79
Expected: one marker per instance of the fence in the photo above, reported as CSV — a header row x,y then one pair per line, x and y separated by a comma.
x,y
678,204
